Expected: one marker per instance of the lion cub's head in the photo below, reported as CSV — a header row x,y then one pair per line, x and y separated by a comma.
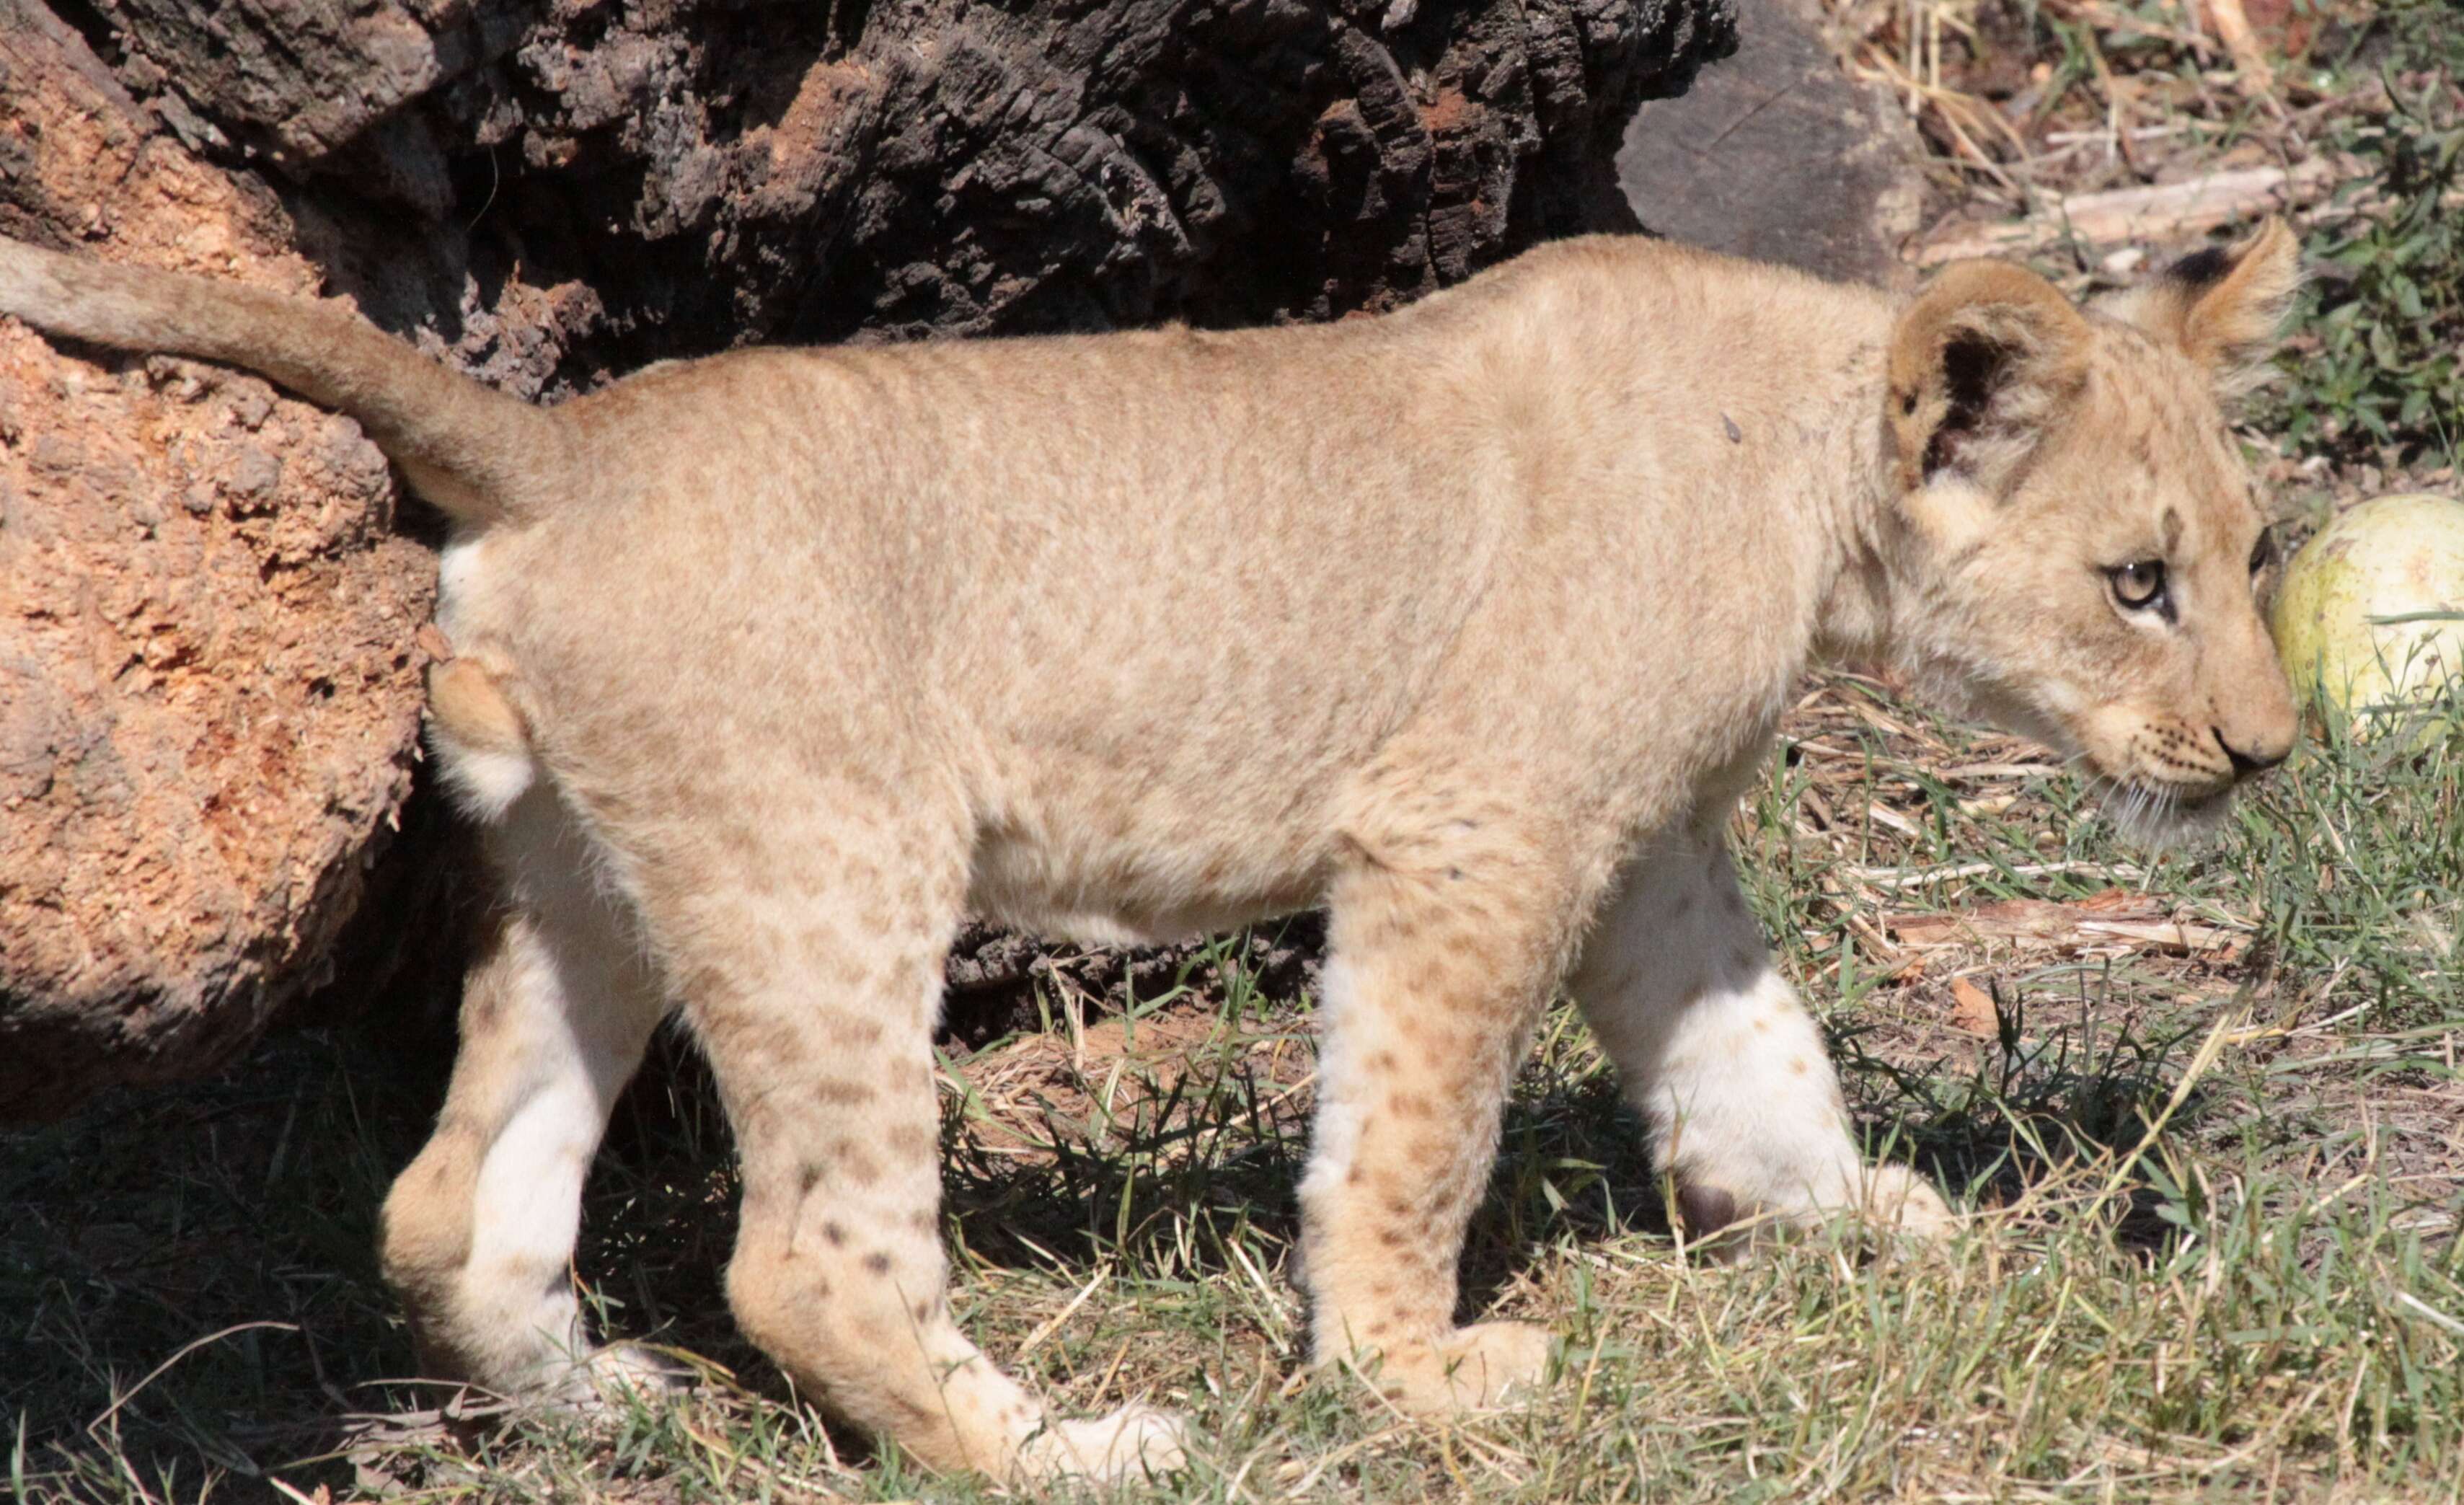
x,y
2080,545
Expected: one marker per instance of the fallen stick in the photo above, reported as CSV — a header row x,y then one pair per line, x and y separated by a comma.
x,y
2162,212
2249,59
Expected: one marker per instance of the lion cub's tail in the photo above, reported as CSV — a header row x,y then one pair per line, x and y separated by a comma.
x,y
473,450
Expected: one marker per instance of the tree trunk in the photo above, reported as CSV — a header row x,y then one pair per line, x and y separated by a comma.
x,y
209,644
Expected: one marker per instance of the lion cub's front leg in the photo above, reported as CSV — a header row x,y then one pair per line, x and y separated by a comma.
x,y
1447,928
1720,1057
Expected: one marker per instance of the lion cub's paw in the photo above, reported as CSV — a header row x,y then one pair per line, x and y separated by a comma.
x,y
619,1368
1887,1199
482,742
1481,1366
604,1380
1132,1441
1900,1201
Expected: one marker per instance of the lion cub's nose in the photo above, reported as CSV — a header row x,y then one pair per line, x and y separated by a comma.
x,y
2256,760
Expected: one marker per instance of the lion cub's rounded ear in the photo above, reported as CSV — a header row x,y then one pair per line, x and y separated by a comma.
x,y
2223,305
1979,362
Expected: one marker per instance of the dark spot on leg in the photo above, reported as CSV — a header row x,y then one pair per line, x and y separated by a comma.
x,y
835,1235
862,1169
877,1262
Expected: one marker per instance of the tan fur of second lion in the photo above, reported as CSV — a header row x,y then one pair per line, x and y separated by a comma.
x,y
1468,622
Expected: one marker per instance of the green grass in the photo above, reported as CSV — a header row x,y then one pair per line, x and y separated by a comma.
x,y
2356,851
2380,371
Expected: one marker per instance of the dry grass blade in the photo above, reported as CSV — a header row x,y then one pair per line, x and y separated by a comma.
x,y
94,1428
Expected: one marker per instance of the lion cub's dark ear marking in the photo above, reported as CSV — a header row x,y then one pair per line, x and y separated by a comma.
x,y
1979,362
2223,306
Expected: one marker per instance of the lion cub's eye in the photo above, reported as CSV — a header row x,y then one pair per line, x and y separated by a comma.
x,y
2264,552
2138,585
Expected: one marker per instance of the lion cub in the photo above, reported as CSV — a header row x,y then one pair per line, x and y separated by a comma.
x,y
1468,622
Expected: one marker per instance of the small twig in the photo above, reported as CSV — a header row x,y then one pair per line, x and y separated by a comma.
x,y
2163,211
1911,877
2409,1299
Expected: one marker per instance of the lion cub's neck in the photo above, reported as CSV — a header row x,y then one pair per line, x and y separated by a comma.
x,y
1850,505
1750,404
1841,496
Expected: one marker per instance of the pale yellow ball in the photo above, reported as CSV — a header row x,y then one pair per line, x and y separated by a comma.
x,y
2370,615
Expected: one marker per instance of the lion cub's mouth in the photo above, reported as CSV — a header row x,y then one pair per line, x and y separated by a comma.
x,y
2156,814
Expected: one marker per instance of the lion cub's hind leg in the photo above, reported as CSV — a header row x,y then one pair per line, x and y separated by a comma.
x,y
1721,1060
809,951
477,1233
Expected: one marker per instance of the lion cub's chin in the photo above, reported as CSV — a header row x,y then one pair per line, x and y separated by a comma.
x,y
2159,819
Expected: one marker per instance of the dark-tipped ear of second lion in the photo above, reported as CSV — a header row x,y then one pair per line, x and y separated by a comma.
x,y
2224,306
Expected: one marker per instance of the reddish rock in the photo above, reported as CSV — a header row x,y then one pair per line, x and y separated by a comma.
x,y
208,692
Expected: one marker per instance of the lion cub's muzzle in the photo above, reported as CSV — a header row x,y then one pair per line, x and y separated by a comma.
x,y
2170,772
2197,767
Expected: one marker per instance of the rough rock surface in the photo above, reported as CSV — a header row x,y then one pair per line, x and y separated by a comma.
x,y
1781,156
209,618
208,688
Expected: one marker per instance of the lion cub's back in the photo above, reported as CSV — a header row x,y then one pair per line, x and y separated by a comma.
x,y
1137,591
